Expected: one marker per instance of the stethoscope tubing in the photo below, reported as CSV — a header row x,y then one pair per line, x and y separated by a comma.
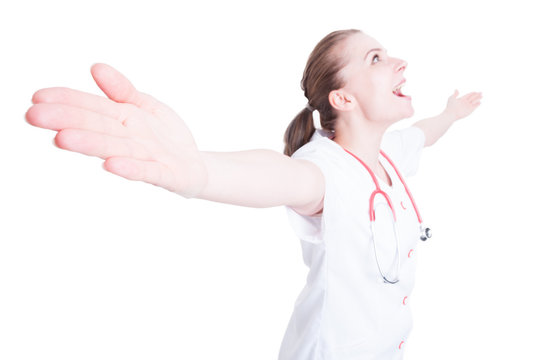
x,y
379,190
405,186
397,256
372,217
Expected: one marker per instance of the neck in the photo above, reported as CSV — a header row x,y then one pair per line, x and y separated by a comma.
x,y
362,138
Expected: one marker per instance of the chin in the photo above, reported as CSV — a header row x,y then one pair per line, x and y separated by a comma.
x,y
404,111
408,112
403,115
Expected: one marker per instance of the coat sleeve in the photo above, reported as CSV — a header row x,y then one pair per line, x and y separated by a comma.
x,y
311,228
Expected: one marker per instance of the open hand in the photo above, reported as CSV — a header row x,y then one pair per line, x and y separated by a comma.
x,y
463,106
138,137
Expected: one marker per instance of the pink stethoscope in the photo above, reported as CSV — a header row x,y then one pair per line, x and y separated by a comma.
x,y
425,232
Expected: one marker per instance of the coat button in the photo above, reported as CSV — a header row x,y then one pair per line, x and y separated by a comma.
x,y
410,252
401,344
405,300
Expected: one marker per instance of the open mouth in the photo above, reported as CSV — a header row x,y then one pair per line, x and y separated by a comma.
x,y
397,91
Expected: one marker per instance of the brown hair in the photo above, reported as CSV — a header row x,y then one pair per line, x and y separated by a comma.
x,y
320,77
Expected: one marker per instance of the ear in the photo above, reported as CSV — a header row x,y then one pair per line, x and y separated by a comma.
x,y
341,100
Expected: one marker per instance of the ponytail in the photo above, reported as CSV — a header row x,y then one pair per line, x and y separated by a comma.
x,y
299,132
320,77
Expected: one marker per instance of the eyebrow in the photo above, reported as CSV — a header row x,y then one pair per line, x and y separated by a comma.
x,y
370,51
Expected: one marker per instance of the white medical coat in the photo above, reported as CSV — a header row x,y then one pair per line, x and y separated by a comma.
x,y
346,311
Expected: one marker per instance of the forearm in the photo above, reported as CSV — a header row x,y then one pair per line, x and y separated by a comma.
x,y
435,127
456,108
259,178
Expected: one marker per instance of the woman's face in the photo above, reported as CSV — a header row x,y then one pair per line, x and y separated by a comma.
x,y
371,78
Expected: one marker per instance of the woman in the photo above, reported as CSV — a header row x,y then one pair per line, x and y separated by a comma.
x,y
354,305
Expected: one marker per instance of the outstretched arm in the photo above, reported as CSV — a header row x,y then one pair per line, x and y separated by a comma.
x,y
263,178
142,139
457,108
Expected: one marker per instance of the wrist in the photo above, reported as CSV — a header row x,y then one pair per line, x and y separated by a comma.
x,y
449,116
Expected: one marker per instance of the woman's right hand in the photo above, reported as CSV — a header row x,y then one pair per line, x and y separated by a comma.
x,y
138,137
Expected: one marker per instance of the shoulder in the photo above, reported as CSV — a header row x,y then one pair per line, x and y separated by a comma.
x,y
411,136
327,155
404,147
320,147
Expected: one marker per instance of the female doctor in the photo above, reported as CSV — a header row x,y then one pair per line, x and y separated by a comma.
x,y
342,184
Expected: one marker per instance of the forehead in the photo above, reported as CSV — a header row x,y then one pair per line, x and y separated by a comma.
x,y
353,53
357,46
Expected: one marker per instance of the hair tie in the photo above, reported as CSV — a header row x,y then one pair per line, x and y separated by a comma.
x,y
315,117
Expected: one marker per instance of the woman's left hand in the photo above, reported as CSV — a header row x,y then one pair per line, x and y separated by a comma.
x,y
463,106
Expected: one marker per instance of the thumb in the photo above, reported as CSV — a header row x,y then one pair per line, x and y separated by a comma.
x,y
117,87
455,93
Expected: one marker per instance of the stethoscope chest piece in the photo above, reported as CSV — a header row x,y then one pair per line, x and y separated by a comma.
x,y
425,233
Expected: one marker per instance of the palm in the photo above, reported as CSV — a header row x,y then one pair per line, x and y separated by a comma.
x,y
463,106
138,137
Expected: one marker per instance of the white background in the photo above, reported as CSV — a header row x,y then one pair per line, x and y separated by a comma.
x,y
96,267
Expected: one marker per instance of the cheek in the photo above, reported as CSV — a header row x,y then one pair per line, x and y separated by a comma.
x,y
375,103
376,92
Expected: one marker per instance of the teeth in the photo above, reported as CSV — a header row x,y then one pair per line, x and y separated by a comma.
x,y
397,91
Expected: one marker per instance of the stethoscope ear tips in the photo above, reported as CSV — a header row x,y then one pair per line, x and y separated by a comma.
x,y
426,234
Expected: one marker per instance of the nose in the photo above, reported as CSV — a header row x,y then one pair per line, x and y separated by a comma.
x,y
401,65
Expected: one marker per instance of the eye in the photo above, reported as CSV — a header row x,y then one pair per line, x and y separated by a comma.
x,y
374,57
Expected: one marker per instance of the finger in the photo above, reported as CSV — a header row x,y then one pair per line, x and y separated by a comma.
x,y
473,97
139,170
469,97
118,88
91,102
58,117
100,145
